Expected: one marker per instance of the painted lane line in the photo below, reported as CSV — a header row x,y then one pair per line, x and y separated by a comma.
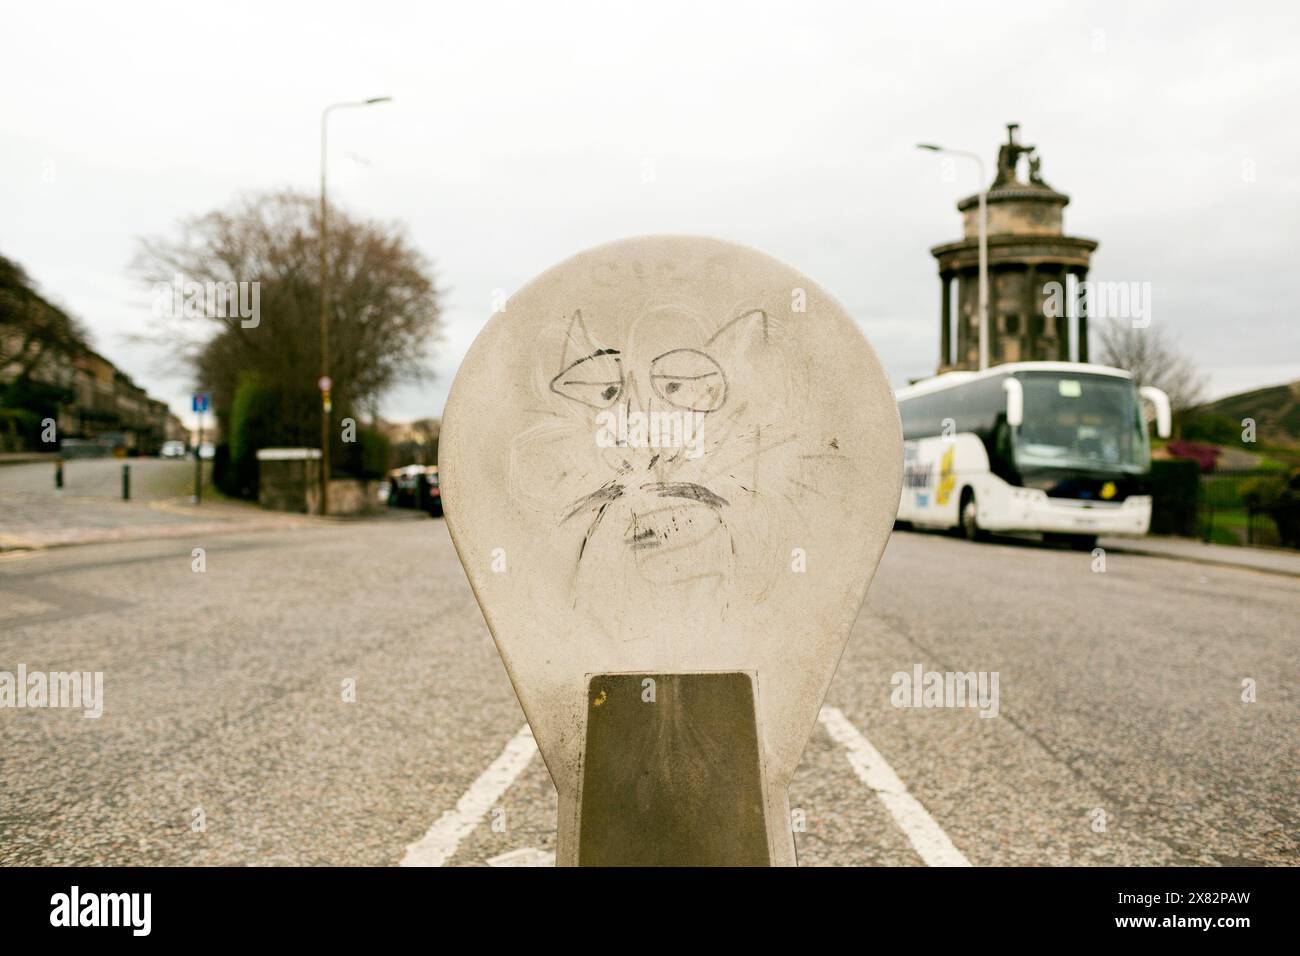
x,y
524,856
926,836
438,845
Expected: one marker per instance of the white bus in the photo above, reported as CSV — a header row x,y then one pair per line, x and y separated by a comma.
x,y
1058,448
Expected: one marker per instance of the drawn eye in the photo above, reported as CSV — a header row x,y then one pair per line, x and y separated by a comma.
x,y
595,381
689,379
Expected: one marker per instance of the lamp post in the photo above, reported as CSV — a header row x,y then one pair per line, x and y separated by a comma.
x,y
324,382
984,246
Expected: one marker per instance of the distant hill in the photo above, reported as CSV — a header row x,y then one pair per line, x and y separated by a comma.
x,y
1276,411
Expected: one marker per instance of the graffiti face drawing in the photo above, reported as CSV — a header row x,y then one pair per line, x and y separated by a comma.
x,y
670,455
662,449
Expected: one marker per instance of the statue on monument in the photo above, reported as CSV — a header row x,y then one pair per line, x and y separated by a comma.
x,y
1035,169
1009,158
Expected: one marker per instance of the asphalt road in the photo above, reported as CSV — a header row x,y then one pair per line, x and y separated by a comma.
x,y
1121,735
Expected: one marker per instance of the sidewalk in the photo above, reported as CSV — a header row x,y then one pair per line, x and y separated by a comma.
x,y
1271,560
27,457
33,521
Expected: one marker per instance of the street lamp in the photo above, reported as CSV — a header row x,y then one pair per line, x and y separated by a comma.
x,y
984,247
324,383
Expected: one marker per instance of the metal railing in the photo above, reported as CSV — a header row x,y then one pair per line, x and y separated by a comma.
x,y
1248,506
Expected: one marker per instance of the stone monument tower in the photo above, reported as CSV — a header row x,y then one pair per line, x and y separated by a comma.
x,y
1027,249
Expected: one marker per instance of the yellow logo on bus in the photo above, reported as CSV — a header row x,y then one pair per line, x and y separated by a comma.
x,y
1108,490
946,481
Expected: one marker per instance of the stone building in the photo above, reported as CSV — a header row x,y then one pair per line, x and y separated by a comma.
x,y
1027,249
88,398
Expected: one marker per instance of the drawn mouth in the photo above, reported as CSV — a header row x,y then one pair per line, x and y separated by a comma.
x,y
612,491
679,521
662,526
685,489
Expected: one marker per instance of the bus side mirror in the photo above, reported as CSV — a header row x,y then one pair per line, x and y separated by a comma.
x,y
1015,401
1160,401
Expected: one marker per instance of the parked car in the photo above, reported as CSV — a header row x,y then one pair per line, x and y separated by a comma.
x,y
172,449
415,486
207,450
434,491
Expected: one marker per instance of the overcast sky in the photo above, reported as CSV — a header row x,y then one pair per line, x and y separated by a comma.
x,y
523,133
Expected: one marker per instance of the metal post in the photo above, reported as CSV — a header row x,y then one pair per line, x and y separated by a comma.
x,y
126,482
983,248
58,474
324,331
324,307
198,464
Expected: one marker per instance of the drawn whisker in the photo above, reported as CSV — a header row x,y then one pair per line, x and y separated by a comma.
x,y
605,494
806,487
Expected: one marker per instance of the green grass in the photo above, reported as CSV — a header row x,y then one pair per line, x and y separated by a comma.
x,y
1232,525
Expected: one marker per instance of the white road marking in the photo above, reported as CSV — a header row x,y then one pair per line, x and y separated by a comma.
x,y
524,856
437,846
927,837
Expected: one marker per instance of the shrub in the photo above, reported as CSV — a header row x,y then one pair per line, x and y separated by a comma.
x,y
254,424
1212,427
1206,456
1174,486
1262,491
367,457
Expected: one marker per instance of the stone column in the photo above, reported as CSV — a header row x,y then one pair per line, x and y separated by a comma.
x,y
945,319
963,324
1063,320
1083,318
1033,304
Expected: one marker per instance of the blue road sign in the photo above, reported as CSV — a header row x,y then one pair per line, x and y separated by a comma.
x,y
201,401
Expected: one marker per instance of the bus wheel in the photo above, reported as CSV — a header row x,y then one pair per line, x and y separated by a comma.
x,y
968,515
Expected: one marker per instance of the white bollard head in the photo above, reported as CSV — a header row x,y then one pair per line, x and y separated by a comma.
x,y
670,455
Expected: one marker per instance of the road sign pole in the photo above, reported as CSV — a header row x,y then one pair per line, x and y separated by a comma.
x,y
325,383
199,404
198,464
325,452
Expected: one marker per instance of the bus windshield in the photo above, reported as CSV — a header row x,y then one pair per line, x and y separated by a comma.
x,y
1081,421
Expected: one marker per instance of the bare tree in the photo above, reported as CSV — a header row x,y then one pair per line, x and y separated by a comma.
x,y
1153,359
384,313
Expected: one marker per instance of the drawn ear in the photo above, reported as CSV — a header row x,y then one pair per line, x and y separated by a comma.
x,y
589,374
578,342
749,326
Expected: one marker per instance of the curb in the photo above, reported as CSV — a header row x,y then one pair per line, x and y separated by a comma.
x,y
1197,559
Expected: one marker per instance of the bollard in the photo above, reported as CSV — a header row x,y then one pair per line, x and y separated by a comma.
x,y
126,482
58,475
669,470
